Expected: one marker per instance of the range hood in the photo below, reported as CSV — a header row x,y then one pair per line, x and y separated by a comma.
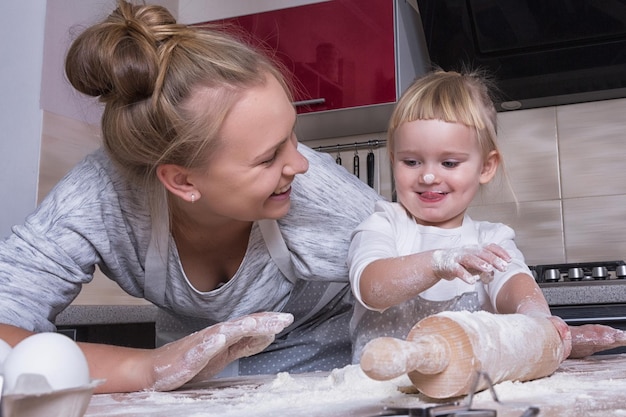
x,y
540,53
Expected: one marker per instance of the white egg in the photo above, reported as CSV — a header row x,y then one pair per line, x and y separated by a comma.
x,y
52,355
5,349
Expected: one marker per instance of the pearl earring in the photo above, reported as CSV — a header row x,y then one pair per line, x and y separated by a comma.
x,y
193,198
428,178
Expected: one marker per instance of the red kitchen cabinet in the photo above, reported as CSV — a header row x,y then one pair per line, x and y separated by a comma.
x,y
348,60
339,53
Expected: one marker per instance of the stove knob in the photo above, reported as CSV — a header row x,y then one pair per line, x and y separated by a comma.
x,y
620,271
575,274
599,272
552,275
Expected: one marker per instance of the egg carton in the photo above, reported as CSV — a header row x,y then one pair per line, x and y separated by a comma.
x,y
33,397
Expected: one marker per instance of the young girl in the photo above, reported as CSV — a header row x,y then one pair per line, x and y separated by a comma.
x,y
424,254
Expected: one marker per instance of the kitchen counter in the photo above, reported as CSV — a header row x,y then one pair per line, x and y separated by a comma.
x,y
600,292
80,315
122,325
556,294
591,387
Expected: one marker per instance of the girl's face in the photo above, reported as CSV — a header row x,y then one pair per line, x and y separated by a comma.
x,y
249,175
438,168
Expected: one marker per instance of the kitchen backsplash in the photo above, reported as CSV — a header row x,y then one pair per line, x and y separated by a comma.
x,y
566,166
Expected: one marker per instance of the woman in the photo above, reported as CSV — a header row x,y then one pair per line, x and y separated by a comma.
x,y
179,207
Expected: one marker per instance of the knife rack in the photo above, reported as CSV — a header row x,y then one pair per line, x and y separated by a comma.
x,y
369,144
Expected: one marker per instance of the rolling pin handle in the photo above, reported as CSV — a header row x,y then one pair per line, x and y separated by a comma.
x,y
386,358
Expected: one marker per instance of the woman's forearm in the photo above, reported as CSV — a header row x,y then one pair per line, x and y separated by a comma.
x,y
202,354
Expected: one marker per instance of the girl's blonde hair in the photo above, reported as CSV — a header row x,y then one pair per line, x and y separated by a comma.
x,y
451,97
145,68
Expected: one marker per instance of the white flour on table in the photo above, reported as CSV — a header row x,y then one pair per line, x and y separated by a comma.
x,y
579,388
323,394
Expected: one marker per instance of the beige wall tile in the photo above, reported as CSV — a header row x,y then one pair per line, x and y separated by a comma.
x,y
538,227
528,143
64,142
595,228
592,146
589,156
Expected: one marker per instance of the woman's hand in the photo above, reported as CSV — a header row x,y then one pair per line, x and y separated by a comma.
x,y
591,338
205,353
470,263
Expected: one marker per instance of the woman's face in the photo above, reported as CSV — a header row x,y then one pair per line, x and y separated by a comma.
x,y
249,175
438,168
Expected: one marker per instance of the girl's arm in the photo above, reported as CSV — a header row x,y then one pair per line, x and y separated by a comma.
x,y
388,282
521,294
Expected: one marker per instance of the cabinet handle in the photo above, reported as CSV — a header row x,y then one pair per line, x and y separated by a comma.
x,y
309,102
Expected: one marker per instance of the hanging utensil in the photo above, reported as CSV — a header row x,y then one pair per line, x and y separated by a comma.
x,y
355,165
370,168
338,157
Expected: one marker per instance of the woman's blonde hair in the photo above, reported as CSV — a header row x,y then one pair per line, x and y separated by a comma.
x,y
451,97
145,68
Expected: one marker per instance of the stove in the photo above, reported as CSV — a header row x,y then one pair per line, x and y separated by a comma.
x,y
586,293
586,272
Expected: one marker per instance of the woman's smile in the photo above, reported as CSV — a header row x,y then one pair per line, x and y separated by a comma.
x,y
282,194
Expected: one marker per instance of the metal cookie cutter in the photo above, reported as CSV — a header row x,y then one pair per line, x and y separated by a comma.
x,y
457,409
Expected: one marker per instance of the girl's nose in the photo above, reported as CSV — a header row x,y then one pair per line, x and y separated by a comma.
x,y
428,178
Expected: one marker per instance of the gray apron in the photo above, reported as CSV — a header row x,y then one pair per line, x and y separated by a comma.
x,y
318,339
398,321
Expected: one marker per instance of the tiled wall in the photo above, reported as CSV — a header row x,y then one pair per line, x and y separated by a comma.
x,y
64,143
567,167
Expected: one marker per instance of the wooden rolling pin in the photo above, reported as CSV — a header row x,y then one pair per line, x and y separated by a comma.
x,y
443,352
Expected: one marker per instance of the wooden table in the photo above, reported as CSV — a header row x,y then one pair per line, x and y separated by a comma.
x,y
593,387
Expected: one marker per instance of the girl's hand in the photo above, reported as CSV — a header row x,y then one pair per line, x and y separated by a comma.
x,y
205,353
565,333
470,263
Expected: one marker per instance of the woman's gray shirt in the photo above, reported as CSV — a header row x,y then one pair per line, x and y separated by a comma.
x,y
94,216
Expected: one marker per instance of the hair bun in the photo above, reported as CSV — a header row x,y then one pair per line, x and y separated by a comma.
x,y
118,58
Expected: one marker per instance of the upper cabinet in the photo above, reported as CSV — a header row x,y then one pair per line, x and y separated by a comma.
x,y
340,53
349,60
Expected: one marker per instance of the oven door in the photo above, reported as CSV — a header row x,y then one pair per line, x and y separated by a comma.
x,y
613,315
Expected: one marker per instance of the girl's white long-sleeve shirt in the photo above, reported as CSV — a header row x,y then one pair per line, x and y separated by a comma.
x,y
390,232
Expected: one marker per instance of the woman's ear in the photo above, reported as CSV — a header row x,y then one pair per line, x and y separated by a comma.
x,y
490,167
176,180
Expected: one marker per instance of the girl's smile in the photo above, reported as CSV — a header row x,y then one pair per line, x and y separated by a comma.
x,y
432,196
